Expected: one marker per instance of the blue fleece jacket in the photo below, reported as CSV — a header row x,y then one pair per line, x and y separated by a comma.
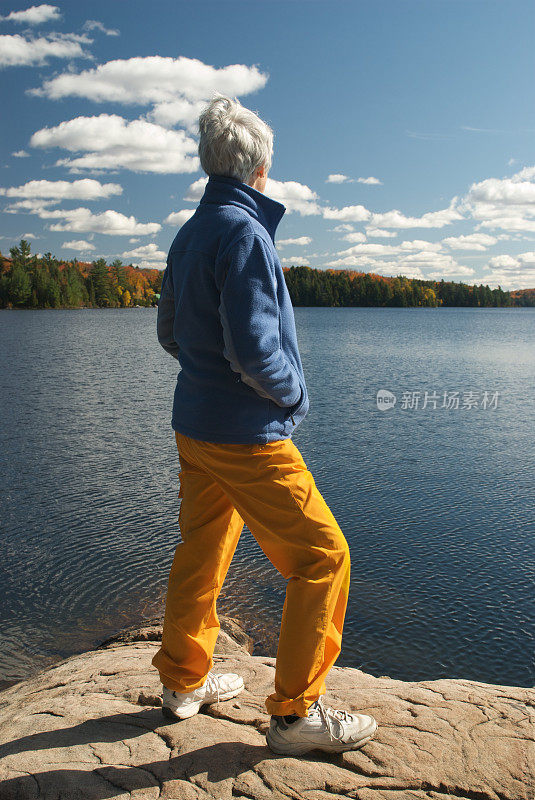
x,y
225,313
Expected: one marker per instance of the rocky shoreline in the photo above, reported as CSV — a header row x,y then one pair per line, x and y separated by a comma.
x,y
89,728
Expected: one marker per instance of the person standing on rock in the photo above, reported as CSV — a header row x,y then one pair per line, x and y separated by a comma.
x,y
225,313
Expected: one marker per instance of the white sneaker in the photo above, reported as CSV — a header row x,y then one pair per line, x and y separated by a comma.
x,y
323,729
180,705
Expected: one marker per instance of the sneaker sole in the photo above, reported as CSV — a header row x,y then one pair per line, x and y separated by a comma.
x,y
170,713
295,749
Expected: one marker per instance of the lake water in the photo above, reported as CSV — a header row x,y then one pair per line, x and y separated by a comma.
x,y
437,503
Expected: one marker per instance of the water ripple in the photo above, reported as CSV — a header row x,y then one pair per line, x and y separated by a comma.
x,y
437,505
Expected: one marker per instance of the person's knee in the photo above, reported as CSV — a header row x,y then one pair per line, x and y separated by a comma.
x,y
333,557
341,565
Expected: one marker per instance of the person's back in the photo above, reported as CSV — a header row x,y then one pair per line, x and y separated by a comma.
x,y
214,315
226,314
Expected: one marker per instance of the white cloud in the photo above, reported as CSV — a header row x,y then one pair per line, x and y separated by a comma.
x,y
347,213
504,262
18,238
338,177
378,233
35,15
112,223
395,218
300,240
368,248
343,227
173,86
411,265
472,241
507,203
179,217
509,223
454,272
412,258
370,181
32,205
508,281
148,252
376,248
78,244
16,51
421,245
111,143
95,25
195,190
431,260
85,189
503,192
355,236
178,112
512,272
20,154
376,265
295,196
432,219
525,174
510,262
527,259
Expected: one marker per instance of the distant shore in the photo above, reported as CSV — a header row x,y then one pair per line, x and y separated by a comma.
x,y
404,308
29,281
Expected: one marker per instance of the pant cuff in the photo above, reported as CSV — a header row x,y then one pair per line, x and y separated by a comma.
x,y
174,686
183,686
282,708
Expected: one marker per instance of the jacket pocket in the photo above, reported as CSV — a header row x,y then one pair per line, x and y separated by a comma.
x,y
297,406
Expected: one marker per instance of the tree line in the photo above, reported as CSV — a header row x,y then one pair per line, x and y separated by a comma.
x,y
330,287
27,281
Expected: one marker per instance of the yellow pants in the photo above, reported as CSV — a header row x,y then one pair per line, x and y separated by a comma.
x,y
269,487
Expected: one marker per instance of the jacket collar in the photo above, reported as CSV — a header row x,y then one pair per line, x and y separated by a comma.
x,y
224,190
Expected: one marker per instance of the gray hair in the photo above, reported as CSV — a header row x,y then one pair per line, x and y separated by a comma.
x,y
234,141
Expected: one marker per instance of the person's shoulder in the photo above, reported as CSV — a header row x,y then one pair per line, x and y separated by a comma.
x,y
243,226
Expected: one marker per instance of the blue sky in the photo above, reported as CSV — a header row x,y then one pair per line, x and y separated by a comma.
x,y
404,129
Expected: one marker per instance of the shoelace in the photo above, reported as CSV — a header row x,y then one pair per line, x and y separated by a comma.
x,y
212,683
327,715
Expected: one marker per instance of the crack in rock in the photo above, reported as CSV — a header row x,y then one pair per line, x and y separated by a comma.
x,y
450,738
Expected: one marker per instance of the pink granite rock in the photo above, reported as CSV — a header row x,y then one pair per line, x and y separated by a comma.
x,y
91,728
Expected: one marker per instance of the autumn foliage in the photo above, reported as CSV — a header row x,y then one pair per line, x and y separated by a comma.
x,y
27,281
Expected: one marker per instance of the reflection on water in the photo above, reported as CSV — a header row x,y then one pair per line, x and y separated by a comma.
x,y
437,504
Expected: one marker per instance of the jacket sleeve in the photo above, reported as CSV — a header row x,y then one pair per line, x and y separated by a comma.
x,y
166,315
249,314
